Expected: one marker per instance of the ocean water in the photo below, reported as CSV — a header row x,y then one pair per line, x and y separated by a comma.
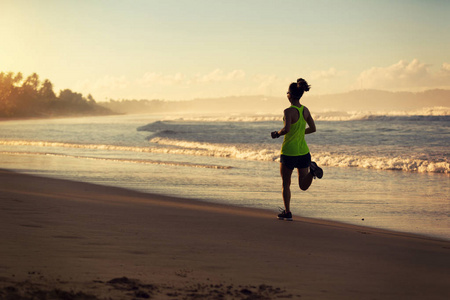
x,y
383,171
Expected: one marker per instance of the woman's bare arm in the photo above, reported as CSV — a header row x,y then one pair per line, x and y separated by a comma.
x,y
309,120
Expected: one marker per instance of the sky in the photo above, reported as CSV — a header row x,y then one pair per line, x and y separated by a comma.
x,y
187,49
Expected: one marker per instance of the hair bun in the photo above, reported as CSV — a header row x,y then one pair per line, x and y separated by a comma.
x,y
303,85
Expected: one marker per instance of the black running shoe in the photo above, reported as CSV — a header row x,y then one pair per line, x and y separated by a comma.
x,y
315,170
284,215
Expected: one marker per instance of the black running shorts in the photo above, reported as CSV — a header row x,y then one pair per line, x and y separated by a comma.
x,y
299,162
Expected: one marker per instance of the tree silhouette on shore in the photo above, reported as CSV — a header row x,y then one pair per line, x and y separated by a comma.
x,y
30,97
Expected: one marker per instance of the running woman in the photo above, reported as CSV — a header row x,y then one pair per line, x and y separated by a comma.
x,y
295,151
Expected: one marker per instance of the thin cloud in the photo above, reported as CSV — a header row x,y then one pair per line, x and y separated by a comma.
x,y
404,74
445,68
111,82
325,74
104,83
152,78
270,85
217,75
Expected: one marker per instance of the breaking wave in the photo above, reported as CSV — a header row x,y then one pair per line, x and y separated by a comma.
x,y
438,113
261,152
240,151
271,153
244,118
383,163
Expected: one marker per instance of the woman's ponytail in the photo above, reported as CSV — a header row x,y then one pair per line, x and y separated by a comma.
x,y
303,85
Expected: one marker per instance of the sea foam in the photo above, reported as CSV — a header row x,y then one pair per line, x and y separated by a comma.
x,y
261,152
426,113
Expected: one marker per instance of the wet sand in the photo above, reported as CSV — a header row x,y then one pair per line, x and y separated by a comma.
x,y
72,240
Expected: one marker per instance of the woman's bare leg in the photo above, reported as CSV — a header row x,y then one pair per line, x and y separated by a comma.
x,y
286,174
305,178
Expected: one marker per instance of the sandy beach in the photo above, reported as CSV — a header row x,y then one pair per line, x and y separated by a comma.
x,y
72,240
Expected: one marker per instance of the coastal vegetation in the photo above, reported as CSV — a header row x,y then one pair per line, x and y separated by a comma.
x,y
30,97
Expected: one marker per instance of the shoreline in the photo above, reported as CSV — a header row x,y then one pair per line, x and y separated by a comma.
x,y
263,212
104,241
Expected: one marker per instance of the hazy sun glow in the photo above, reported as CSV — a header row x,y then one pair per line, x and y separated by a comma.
x,y
192,49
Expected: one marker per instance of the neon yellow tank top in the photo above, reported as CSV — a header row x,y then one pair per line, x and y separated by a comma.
x,y
294,143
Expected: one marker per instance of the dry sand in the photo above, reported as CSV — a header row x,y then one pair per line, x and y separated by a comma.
x,y
71,240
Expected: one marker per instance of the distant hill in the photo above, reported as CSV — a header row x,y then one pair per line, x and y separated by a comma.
x,y
359,100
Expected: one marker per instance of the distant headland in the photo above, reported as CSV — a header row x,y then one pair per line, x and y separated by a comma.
x,y
31,98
